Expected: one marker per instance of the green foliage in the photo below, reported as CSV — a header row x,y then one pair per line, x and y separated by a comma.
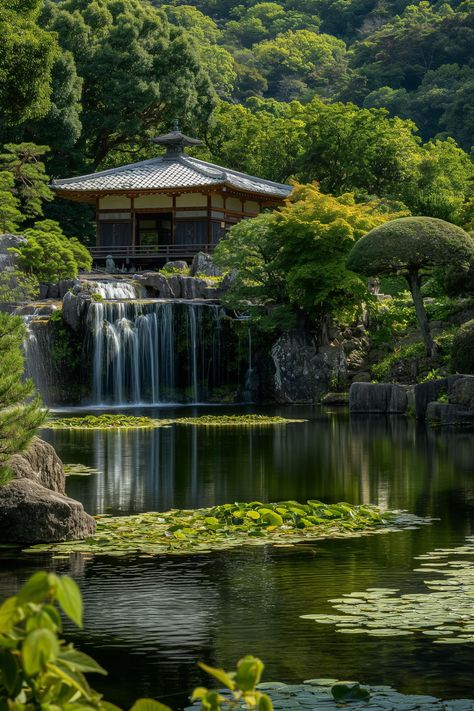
x,y
137,70
182,532
38,669
242,684
234,420
381,370
26,61
347,691
411,244
392,318
290,265
49,255
16,286
30,180
20,410
10,215
462,353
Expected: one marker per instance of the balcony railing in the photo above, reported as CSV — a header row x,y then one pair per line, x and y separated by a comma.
x,y
153,251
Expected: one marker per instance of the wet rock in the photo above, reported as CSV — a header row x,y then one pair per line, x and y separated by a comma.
x,y
157,283
41,464
74,308
380,398
192,287
204,265
427,392
302,372
30,513
175,286
66,285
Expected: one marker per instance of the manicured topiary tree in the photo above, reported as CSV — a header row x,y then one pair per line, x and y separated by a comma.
x,y
462,351
20,409
412,247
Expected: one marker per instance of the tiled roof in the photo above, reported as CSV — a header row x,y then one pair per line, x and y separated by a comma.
x,y
159,174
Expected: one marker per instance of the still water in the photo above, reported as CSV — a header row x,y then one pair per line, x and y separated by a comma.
x,y
149,620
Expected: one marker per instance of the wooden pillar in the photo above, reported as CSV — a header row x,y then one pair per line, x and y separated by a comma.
x,y
173,221
209,223
97,232
134,222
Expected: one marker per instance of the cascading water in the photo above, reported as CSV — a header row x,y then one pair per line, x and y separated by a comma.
x,y
151,351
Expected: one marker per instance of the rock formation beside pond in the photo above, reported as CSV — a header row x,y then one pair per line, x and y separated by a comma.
x,y
33,507
377,398
302,371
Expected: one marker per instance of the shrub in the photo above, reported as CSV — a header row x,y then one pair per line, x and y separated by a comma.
x,y
50,255
462,351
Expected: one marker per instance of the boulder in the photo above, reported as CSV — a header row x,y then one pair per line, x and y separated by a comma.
x,y
30,513
158,283
203,265
177,266
41,464
66,285
427,392
8,242
302,372
335,399
445,415
74,307
192,287
461,392
175,286
379,398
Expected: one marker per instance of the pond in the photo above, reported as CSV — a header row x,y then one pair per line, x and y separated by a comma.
x,y
150,620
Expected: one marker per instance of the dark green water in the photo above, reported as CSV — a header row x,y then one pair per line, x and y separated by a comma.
x,y
149,620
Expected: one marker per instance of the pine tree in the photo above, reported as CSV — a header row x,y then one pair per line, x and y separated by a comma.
x,y
20,408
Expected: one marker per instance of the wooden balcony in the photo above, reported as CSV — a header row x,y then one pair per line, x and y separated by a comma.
x,y
145,253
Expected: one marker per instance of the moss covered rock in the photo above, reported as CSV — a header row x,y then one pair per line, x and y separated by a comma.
x,y
462,353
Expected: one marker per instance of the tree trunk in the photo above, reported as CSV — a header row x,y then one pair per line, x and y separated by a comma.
x,y
414,282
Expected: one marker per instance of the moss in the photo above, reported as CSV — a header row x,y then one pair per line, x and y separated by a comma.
x,y
104,422
382,369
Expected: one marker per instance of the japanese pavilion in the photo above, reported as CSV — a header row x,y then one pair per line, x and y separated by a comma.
x,y
169,207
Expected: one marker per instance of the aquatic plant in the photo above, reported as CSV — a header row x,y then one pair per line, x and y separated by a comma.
x,y
104,422
79,470
233,420
444,613
181,532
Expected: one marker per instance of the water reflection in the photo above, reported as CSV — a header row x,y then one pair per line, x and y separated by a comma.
x,y
392,462
149,620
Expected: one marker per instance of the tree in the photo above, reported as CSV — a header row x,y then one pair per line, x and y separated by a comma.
x,y
138,72
10,215
20,409
49,255
412,247
290,266
26,60
29,176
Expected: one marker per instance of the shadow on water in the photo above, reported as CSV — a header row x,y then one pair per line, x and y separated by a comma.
x,y
149,620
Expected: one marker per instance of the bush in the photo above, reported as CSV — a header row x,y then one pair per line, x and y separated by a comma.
x,y
462,352
49,255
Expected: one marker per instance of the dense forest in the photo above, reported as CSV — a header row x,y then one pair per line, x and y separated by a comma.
x,y
362,96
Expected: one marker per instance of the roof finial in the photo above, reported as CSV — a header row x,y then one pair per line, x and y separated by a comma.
x,y
175,142
176,125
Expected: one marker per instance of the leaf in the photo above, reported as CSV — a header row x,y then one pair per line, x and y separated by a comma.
x,y
249,672
218,674
78,661
70,598
254,515
264,703
8,613
39,648
9,673
349,691
149,705
36,589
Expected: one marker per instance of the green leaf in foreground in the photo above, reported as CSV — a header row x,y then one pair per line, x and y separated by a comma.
x,y
69,598
149,705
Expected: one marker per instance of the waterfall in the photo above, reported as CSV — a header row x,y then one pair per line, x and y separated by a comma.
x,y
36,346
116,290
151,351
